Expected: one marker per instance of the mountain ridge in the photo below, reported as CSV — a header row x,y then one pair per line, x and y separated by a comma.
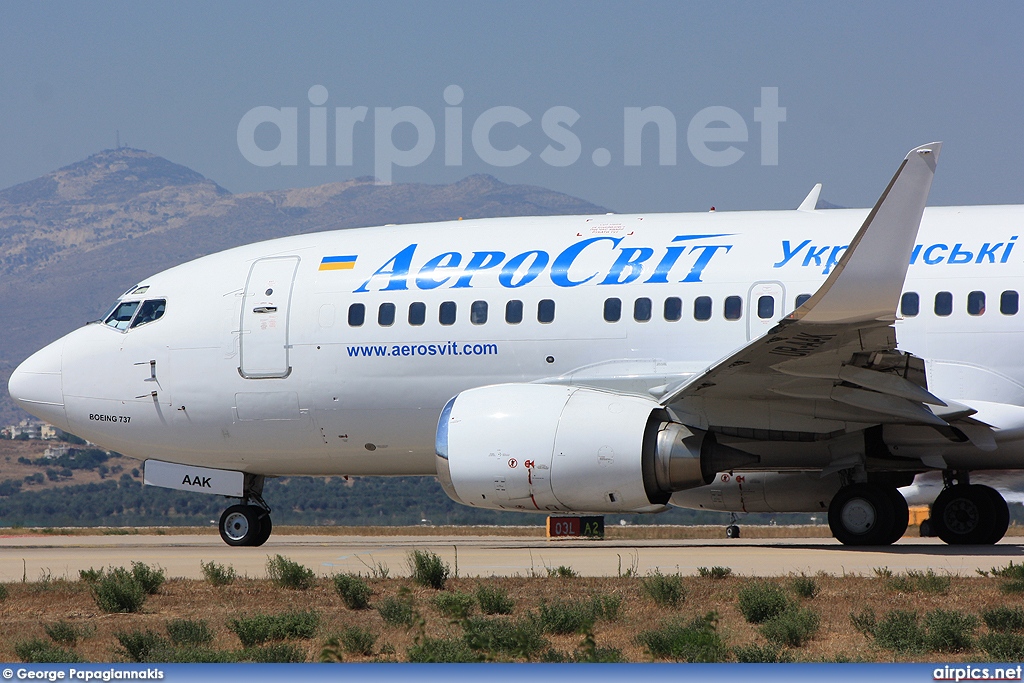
x,y
72,240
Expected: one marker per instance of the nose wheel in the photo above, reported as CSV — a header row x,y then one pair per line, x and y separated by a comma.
x,y
245,525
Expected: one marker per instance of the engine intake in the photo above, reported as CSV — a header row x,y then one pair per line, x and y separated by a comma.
x,y
550,448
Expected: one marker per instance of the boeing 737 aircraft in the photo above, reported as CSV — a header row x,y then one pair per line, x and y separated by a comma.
x,y
784,361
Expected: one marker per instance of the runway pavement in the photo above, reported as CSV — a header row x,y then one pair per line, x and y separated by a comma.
x,y
35,556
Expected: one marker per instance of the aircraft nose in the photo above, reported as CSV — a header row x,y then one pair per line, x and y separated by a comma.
x,y
35,385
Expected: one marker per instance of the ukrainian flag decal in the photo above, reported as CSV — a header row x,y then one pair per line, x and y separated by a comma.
x,y
337,263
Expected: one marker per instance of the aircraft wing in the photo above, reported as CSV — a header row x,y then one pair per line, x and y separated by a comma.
x,y
832,364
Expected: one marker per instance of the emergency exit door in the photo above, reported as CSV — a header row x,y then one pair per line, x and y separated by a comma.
x,y
264,345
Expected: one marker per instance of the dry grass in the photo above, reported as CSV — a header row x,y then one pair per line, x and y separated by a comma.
x,y
31,606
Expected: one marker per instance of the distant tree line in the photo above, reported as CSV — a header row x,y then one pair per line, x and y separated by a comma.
x,y
384,501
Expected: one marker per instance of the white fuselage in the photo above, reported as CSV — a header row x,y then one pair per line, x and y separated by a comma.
x,y
234,378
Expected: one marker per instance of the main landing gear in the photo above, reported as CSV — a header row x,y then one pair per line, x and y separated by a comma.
x,y
876,514
968,514
868,514
247,524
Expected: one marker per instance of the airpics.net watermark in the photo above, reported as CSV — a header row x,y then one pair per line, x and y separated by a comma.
x,y
712,134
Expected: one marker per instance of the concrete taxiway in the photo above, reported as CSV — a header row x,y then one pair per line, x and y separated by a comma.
x,y
34,556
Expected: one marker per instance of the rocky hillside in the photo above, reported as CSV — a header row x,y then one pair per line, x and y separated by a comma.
x,y
72,240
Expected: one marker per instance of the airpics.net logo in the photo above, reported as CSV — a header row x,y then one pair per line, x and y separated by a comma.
x,y
715,136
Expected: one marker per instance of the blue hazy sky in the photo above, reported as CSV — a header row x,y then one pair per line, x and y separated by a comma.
x,y
861,84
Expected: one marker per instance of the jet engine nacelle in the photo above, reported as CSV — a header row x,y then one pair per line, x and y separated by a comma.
x,y
739,491
552,448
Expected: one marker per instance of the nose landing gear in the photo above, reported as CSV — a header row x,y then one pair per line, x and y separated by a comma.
x,y
247,524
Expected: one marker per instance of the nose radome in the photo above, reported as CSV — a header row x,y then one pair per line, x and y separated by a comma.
x,y
35,385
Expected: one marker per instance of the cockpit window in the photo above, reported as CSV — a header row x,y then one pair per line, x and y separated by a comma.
x,y
122,315
131,314
150,311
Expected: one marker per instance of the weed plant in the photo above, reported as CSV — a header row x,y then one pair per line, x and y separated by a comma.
x,y
261,628
118,591
141,646
665,590
562,572
287,573
696,641
566,617
186,632
900,631
447,650
791,628
66,633
805,587
949,630
865,622
357,640
192,654
276,653
149,578
1006,647
90,575
428,569
217,574
761,654
760,601
1004,619
455,605
398,610
715,572
354,591
501,636
494,600
39,651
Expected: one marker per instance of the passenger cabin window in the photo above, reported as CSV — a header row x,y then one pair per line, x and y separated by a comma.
x,y
122,314
545,310
642,310
478,312
356,315
386,315
943,304
976,303
733,307
673,308
446,313
514,312
702,308
802,299
910,304
149,311
612,309
765,307
417,313
1009,303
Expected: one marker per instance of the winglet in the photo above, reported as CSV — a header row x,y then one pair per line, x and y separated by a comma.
x,y
810,202
866,283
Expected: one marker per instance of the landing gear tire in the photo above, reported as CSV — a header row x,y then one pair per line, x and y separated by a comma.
x,y
1002,515
901,515
266,526
863,514
240,525
968,514
732,531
